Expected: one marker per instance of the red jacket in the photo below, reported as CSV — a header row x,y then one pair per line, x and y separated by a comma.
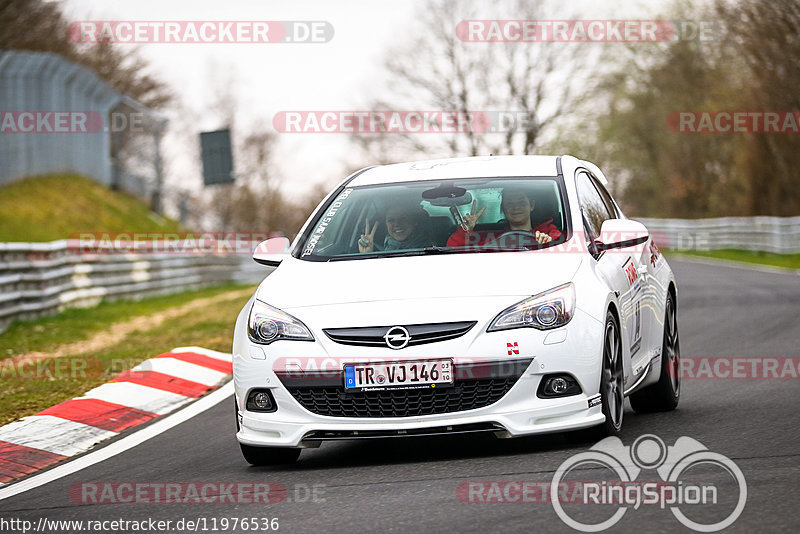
x,y
461,238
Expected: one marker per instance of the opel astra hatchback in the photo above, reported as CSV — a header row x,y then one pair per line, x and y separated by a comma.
x,y
502,294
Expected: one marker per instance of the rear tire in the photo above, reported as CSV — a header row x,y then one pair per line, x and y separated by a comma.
x,y
663,396
270,455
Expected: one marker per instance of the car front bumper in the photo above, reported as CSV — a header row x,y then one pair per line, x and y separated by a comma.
x,y
573,349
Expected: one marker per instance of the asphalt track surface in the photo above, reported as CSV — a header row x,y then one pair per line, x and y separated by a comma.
x,y
410,485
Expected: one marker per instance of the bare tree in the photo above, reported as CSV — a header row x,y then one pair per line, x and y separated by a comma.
x,y
40,26
763,44
529,84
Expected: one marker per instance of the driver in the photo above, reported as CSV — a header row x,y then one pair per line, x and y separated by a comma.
x,y
517,206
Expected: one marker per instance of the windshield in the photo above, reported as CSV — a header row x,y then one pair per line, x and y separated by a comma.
x,y
473,215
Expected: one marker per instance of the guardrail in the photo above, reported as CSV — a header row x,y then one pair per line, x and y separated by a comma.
x,y
780,235
44,278
39,279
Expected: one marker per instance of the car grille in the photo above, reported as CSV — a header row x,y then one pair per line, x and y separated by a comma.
x,y
328,396
373,336
403,403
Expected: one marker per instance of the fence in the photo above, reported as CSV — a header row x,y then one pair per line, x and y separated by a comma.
x,y
44,278
115,143
780,235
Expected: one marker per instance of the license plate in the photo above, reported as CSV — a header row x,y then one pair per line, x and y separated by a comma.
x,y
398,375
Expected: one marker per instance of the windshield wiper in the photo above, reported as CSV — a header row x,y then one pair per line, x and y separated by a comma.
x,y
456,250
420,252
433,250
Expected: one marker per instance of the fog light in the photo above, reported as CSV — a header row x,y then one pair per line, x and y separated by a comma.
x,y
261,400
557,385
560,385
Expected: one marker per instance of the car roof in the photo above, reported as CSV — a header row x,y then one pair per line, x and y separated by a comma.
x,y
471,167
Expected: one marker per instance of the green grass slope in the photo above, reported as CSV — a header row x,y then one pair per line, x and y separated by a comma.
x,y
46,208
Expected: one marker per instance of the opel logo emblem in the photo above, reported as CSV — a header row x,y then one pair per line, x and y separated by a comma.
x,y
397,337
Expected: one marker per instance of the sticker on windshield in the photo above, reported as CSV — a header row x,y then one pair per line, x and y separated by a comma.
x,y
314,238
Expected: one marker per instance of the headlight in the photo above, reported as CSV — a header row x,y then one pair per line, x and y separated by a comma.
x,y
267,324
544,311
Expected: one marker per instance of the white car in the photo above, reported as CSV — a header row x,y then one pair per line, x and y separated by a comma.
x,y
505,294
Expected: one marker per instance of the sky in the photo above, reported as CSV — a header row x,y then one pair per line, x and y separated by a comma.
x,y
263,79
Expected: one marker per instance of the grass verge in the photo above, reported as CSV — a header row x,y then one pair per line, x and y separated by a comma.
x,y
32,387
787,261
47,208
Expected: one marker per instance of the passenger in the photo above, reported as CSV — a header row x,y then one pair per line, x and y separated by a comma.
x,y
405,229
517,206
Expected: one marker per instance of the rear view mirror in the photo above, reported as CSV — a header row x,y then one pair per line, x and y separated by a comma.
x,y
447,196
272,251
448,202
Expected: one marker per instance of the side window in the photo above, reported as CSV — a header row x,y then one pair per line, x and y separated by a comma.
x,y
606,198
593,208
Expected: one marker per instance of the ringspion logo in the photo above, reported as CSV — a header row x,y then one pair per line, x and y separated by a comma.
x,y
676,490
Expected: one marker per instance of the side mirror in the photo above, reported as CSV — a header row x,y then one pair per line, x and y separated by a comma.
x,y
272,251
621,233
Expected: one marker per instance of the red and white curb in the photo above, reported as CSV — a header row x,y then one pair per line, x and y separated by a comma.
x,y
153,388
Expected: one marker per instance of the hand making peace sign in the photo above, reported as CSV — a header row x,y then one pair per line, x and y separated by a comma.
x,y
471,218
367,241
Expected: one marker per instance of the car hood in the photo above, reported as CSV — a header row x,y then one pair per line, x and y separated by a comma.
x,y
298,283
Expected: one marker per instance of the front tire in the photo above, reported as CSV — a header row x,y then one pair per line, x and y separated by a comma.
x,y
612,394
612,379
269,455
663,396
